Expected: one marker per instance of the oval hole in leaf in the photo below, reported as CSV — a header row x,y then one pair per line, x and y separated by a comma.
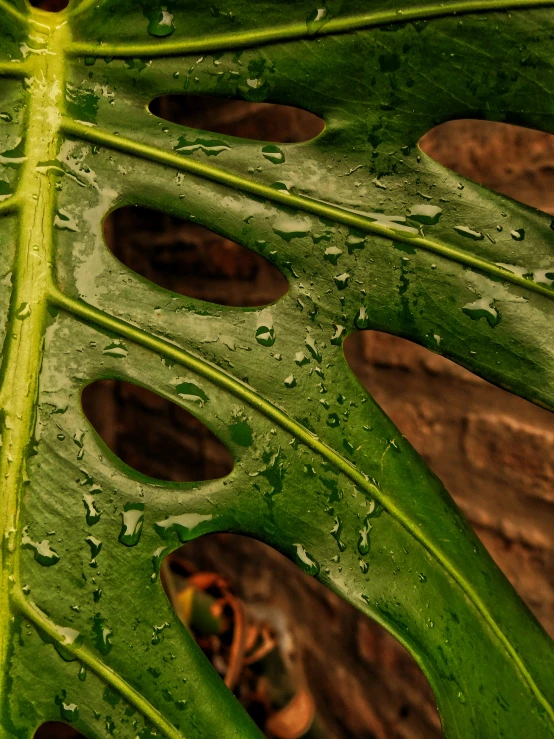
x,y
280,124
53,6
277,606
57,730
191,260
154,435
511,160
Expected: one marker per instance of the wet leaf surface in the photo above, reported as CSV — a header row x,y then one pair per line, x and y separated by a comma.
x,y
369,233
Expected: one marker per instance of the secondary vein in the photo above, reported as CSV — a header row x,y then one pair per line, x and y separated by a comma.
x,y
303,203
298,30
34,614
97,317
14,69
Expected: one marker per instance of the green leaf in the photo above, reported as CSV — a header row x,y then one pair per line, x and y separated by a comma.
x,y
370,232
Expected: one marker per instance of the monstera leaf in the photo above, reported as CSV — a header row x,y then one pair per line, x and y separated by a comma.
x,y
369,232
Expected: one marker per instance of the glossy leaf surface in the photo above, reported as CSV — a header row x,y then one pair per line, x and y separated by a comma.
x,y
369,232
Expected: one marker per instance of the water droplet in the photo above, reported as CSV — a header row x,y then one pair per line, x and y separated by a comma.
x,y
375,510
16,156
131,525
44,555
116,349
6,117
92,513
182,525
191,392
364,567
336,532
265,335
315,16
273,154
157,559
161,23
301,359
95,547
518,234
305,561
422,577
482,308
427,214
312,348
355,242
69,712
545,276
102,634
69,638
338,336
157,631
65,222
23,312
289,228
332,254
469,233
363,541
290,381
83,673
210,147
333,420
341,281
362,319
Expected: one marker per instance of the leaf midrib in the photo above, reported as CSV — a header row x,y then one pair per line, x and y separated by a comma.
x,y
22,356
294,31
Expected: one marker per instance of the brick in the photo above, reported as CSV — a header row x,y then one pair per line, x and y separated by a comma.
x,y
518,452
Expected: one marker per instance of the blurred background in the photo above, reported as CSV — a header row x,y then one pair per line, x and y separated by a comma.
x,y
304,663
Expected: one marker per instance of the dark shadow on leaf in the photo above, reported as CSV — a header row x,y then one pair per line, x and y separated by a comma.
x,y
281,124
154,435
191,260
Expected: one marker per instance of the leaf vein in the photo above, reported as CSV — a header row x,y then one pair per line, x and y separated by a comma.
x,y
303,203
95,316
299,30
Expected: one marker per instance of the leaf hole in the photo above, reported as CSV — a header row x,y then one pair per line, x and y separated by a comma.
x,y
153,435
280,124
226,586
191,260
511,160
57,730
